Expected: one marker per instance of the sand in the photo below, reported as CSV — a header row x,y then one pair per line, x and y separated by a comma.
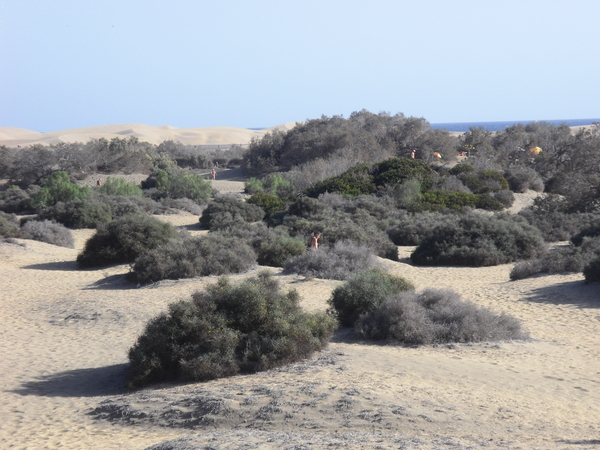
x,y
13,137
65,334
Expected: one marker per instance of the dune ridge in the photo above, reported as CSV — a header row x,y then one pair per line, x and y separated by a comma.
x,y
13,137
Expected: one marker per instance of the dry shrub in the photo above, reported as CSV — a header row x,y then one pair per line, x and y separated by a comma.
x,y
338,262
48,232
226,330
9,226
227,211
213,254
436,316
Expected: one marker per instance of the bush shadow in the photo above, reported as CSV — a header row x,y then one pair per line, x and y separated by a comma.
x,y
69,266
92,382
575,293
112,282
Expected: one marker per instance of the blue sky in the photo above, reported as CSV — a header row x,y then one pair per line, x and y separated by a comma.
x,y
75,63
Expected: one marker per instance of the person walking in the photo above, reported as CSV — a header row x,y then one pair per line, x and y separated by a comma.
x,y
314,241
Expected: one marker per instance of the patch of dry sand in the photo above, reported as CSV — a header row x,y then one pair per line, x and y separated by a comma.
x,y
65,334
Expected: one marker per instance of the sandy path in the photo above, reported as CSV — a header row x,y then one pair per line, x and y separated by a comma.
x,y
65,335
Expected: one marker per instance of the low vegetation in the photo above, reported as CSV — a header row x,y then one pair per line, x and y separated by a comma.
x,y
435,316
226,330
363,294
122,240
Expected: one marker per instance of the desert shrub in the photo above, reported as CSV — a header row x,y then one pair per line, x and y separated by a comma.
x,y
14,200
124,205
591,231
449,183
461,168
59,188
253,186
122,240
413,228
484,181
9,226
355,181
276,250
559,260
404,194
226,330
78,213
275,184
307,207
338,262
591,272
489,203
435,316
48,232
505,196
549,215
227,211
523,178
268,202
183,204
119,186
364,293
174,182
436,200
480,240
200,256
399,170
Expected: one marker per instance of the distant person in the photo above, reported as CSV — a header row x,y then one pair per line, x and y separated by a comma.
x,y
213,174
98,183
314,241
412,154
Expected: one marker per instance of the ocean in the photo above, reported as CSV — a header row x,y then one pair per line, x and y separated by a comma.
x,y
495,126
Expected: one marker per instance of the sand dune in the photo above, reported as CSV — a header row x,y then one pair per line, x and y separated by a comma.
x,y
65,333
12,137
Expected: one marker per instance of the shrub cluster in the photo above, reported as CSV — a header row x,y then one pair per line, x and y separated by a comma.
x,y
123,240
48,232
227,211
559,260
364,293
58,187
523,178
480,240
213,254
226,330
338,262
435,316
413,228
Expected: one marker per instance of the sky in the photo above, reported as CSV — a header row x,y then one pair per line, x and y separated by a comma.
x,y
184,63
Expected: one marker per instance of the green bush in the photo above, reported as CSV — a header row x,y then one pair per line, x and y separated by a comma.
x,y
179,183
435,316
364,293
123,240
461,168
355,181
226,330
276,250
506,197
268,202
200,256
59,188
253,186
227,211
399,170
489,203
119,186
338,262
480,240
484,181
48,232
78,213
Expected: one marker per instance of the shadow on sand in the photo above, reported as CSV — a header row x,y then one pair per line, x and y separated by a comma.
x,y
569,293
112,282
93,382
70,266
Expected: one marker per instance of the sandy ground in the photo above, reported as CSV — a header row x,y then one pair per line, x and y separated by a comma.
x,y
65,334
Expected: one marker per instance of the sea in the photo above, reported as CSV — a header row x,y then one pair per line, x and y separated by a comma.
x,y
496,126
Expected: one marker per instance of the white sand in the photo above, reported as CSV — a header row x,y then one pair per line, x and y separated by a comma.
x,y
65,334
